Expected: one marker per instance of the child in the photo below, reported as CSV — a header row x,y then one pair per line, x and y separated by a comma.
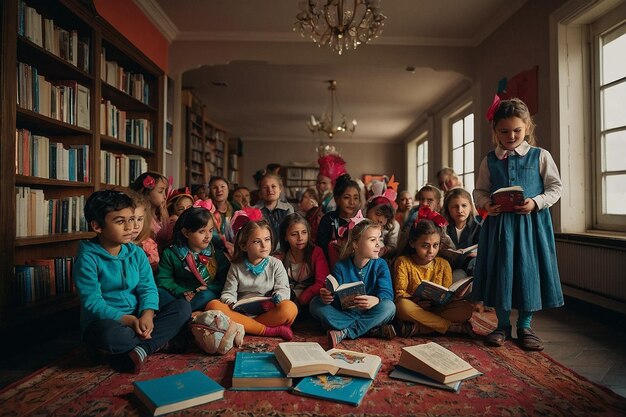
x,y
448,179
178,201
463,229
347,195
241,196
332,166
253,272
304,262
516,265
223,233
154,186
142,232
427,196
117,292
380,209
311,210
405,204
360,262
192,268
200,192
273,210
420,263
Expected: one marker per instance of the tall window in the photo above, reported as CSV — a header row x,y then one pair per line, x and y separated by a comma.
x,y
610,132
463,149
421,159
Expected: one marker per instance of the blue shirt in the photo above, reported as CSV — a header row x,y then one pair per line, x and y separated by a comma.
x,y
375,275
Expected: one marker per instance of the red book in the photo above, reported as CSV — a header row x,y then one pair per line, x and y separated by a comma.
x,y
508,198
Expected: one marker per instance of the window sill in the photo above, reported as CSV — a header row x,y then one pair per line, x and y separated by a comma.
x,y
610,240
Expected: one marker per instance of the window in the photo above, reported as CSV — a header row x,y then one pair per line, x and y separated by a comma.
x,y
422,163
609,44
463,149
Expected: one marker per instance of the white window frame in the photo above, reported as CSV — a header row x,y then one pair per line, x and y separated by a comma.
x,y
411,158
421,167
460,116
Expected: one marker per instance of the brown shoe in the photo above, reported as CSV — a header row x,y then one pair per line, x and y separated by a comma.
x,y
384,331
498,337
464,328
528,340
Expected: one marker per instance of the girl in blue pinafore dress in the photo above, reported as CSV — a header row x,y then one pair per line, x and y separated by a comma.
x,y
516,265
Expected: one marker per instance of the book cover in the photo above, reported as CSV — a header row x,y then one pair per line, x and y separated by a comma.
x,y
259,371
451,255
440,295
252,306
436,362
177,392
345,293
508,198
405,374
342,389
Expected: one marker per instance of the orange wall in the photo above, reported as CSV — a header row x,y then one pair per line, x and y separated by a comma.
x,y
130,21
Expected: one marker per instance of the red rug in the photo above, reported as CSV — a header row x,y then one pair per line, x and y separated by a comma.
x,y
515,383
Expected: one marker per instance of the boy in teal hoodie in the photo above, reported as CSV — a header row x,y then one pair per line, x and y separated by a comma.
x,y
117,291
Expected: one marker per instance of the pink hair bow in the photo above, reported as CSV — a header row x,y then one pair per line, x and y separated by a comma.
x,y
353,222
425,213
205,204
148,182
242,217
491,111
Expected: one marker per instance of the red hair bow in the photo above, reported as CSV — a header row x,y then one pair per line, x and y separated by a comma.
x,y
353,222
491,111
425,213
243,216
148,182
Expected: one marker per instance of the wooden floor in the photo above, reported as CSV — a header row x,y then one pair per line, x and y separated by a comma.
x,y
583,338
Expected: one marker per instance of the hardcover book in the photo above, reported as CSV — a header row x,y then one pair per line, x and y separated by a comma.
x,y
440,295
451,255
342,389
258,371
405,374
177,392
345,293
252,306
300,359
508,198
436,362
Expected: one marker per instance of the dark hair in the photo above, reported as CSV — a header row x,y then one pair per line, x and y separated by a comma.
x,y
383,208
288,221
241,187
343,183
515,108
218,178
196,188
273,168
244,234
419,229
258,175
101,203
192,219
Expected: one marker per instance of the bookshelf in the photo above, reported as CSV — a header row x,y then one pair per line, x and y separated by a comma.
x,y
297,179
82,92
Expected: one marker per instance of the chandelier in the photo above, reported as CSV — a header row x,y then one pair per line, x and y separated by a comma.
x,y
332,121
340,24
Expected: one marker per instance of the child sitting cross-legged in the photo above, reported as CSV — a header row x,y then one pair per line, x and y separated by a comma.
x,y
253,272
118,296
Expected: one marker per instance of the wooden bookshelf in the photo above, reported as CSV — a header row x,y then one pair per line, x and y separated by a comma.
x,y
297,179
77,18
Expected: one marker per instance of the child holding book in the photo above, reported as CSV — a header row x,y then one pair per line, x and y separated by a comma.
x,y
154,186
304,262
192,268
117,292
420,263
273,209
359,262
142,233
253,273
516,265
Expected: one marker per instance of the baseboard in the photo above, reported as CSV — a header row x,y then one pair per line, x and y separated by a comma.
x,y
595,299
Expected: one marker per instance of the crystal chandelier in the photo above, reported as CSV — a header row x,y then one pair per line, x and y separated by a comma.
x,y
332,121
340,24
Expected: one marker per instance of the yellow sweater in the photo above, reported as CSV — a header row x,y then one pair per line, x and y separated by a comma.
x,y
408,275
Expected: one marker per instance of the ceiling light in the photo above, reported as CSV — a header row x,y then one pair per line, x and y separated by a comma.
x,y
340,24
332,121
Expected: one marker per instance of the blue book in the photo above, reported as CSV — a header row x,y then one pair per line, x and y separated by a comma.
x,y
343,389
258,371
177,392
405,374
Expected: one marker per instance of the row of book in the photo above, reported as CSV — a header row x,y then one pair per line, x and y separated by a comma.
x,y
42,278
66,44
38,216
37,156
64,100
120,169
337,375
133,84
115,123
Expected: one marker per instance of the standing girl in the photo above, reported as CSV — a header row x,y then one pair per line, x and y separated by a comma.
x,y
463,229
192,268
516,265
273,210
304,262
154,186
142,233
254,273
420,263
360,262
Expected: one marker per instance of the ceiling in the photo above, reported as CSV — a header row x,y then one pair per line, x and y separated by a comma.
x,y
276,79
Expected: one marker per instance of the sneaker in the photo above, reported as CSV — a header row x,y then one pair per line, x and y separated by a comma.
x,y
408,329
137,360
334,338
384,331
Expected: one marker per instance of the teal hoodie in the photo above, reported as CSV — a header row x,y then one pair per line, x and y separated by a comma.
x,y
112,286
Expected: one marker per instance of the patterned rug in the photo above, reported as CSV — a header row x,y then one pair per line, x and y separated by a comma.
x,y
515,383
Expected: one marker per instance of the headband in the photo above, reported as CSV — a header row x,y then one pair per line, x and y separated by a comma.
x,y
353,222
244,216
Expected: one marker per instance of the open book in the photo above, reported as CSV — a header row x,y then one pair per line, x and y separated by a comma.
x,y
345,293
436,362
451,255
252,306
300,359
440,295
508,197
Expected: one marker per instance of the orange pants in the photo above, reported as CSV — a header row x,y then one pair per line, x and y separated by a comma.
x,y
437,319
284,313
